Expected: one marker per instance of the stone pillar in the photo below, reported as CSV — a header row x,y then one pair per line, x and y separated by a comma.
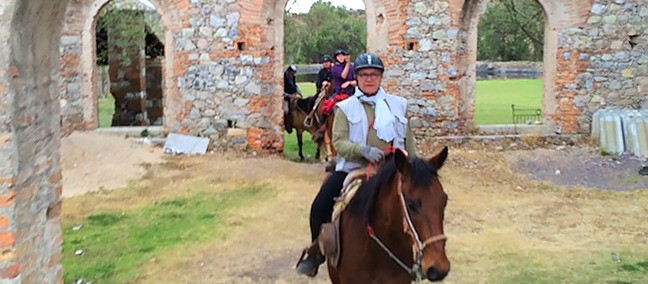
x,y
127,67
30,172
154,95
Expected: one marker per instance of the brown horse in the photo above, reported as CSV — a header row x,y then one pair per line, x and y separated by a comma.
x,y
392,231
306,116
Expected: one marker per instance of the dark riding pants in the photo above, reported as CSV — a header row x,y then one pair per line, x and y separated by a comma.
x,y
322,206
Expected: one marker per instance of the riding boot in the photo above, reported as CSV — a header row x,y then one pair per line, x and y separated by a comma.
x,y
308,266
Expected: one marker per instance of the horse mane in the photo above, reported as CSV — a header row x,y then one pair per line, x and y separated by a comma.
x,y
306,104
364,203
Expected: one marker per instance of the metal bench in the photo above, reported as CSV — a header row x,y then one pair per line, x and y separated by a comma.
x,y
526,115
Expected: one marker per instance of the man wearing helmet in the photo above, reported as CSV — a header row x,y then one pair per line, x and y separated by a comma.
x,y
324,75
290,88
364,123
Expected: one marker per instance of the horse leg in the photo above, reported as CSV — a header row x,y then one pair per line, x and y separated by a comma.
x,y
317,154
299,144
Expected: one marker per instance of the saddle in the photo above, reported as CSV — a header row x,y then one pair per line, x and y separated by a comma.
x,y
329,237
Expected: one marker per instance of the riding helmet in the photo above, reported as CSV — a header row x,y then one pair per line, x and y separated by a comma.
x,y
340,51
292,68
326,58
368,60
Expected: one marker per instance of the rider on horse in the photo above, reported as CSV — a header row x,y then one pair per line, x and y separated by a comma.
x,y
324,75
364,123
290,88
344,83
342,74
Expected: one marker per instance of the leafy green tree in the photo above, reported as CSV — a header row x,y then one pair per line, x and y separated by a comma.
x,y
322,30
511,30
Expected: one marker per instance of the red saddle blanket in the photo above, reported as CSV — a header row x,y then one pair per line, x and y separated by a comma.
x,y
330,103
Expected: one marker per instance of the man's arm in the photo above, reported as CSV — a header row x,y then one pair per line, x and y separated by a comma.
x,y
343,146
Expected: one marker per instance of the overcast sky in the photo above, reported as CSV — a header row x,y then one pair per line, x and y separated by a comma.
x,y
302,6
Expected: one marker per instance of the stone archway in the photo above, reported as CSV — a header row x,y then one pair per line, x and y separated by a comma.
x,y
30,175
384,30
78,70
558,15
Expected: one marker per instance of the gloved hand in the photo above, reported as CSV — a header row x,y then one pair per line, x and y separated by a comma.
x,y
372,154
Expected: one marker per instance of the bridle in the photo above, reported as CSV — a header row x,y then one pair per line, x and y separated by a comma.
x,y
418,246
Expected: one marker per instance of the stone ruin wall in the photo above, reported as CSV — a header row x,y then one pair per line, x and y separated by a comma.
x,y
227,62
600,60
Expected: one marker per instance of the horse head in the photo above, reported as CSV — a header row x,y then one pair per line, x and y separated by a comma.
x,y
423,203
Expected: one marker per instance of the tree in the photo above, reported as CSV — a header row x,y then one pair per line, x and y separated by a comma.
x,y
322,30
511,30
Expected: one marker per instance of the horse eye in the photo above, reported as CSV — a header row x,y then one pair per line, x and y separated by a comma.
x,y
413,205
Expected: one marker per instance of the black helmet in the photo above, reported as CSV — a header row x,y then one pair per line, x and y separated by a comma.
x,y
368,60
292,68
340,51
326,58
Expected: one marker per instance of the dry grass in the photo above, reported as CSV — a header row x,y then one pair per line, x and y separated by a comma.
x,y
502,227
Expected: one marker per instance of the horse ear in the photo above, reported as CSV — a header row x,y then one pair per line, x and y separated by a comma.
x,y
402,162
438,160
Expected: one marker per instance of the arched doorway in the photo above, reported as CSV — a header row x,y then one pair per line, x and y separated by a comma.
x,y
129,62
378,13
471,12
78,68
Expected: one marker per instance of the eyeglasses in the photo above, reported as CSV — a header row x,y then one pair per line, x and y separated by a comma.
x,y
365,76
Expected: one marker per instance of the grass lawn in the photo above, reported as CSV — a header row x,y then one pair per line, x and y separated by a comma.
x,y
111,246
307,88
493,98
106,111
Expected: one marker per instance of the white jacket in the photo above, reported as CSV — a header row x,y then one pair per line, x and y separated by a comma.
x,y
390,122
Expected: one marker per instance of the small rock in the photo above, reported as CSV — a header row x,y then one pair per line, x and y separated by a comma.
x,y
499,148
78,252
616,258
519,187
560,148
77,227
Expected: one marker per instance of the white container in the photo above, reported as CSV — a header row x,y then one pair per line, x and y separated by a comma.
x,y
636,131
611,133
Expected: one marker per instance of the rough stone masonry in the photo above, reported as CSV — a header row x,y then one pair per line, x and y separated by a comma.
x,y
223,67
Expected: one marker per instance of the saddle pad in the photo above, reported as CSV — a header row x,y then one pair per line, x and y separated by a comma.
x,y
352,183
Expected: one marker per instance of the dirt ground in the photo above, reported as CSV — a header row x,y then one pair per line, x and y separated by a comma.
x,y
498,200
93,161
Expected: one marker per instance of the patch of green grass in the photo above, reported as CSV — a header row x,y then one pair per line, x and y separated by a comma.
x,y
308,89
106,111
291,149
493,99
596,266
116,244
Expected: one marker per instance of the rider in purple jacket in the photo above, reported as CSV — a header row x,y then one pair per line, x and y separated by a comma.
x,y
342,74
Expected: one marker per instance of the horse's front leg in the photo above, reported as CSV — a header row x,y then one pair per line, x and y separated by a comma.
x,y
317,154
299,144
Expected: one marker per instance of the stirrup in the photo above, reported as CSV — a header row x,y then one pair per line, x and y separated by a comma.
x,y
302,256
